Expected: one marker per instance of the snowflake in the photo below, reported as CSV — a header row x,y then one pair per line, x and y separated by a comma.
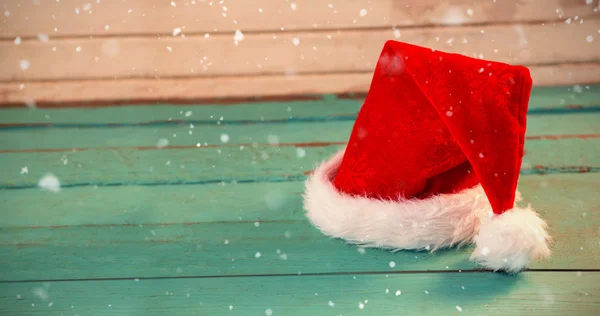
x,y
24,64
238,36
49,182
224,138
162,143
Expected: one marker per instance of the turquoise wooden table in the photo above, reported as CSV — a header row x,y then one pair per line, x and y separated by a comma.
x,y
196,210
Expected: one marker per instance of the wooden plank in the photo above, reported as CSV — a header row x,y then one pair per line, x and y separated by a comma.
x,y
127,166
130,236
532,293
318,130
261,54
72,17
552,98
544,293
89,93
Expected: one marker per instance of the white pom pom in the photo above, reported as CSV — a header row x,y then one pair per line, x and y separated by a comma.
x,y
511,240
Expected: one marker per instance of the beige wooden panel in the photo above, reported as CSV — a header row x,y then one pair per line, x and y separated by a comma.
x,y
259,54
90,17
134,90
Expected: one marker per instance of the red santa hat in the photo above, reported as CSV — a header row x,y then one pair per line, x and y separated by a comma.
x,y
433,161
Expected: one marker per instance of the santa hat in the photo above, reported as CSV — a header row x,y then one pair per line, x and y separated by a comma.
x,y
433,161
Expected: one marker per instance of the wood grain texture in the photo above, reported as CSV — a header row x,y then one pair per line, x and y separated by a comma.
x,y
212,230
533,293
192,165
73,139
261,54
552,98
153,17
89,93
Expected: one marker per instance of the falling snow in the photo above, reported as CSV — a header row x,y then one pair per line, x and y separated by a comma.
x,y
268,312
300,152
296,41
470,12
331,303
361,250
176,31
41,292
224,138
24,64
293,6
589,38
24,170
230,307
363,12
43,37
17,40
392,264
257,255
396,33
49,182
238,36
361,305
458,308
162,143
398,293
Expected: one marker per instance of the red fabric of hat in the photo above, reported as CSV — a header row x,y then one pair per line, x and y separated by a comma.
x,y
433,160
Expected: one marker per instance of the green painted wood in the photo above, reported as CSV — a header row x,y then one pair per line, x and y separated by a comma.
x,y
541,98
531,293
178,135
170,231
230,163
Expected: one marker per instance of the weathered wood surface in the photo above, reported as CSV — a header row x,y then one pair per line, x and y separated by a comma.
x,y
241,163
157,17
91,242
532,293
193,56
89,93
73,139
212,230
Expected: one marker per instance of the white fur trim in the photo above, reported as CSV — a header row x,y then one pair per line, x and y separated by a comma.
x,y
503,242
510,240
432,223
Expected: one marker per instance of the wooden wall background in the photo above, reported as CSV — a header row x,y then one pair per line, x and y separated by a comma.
x,y
186,50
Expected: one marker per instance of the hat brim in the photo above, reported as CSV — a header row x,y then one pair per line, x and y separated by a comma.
x,y
424,224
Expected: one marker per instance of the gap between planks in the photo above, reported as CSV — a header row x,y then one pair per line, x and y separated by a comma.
x,y
284,275
93,93
195,56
